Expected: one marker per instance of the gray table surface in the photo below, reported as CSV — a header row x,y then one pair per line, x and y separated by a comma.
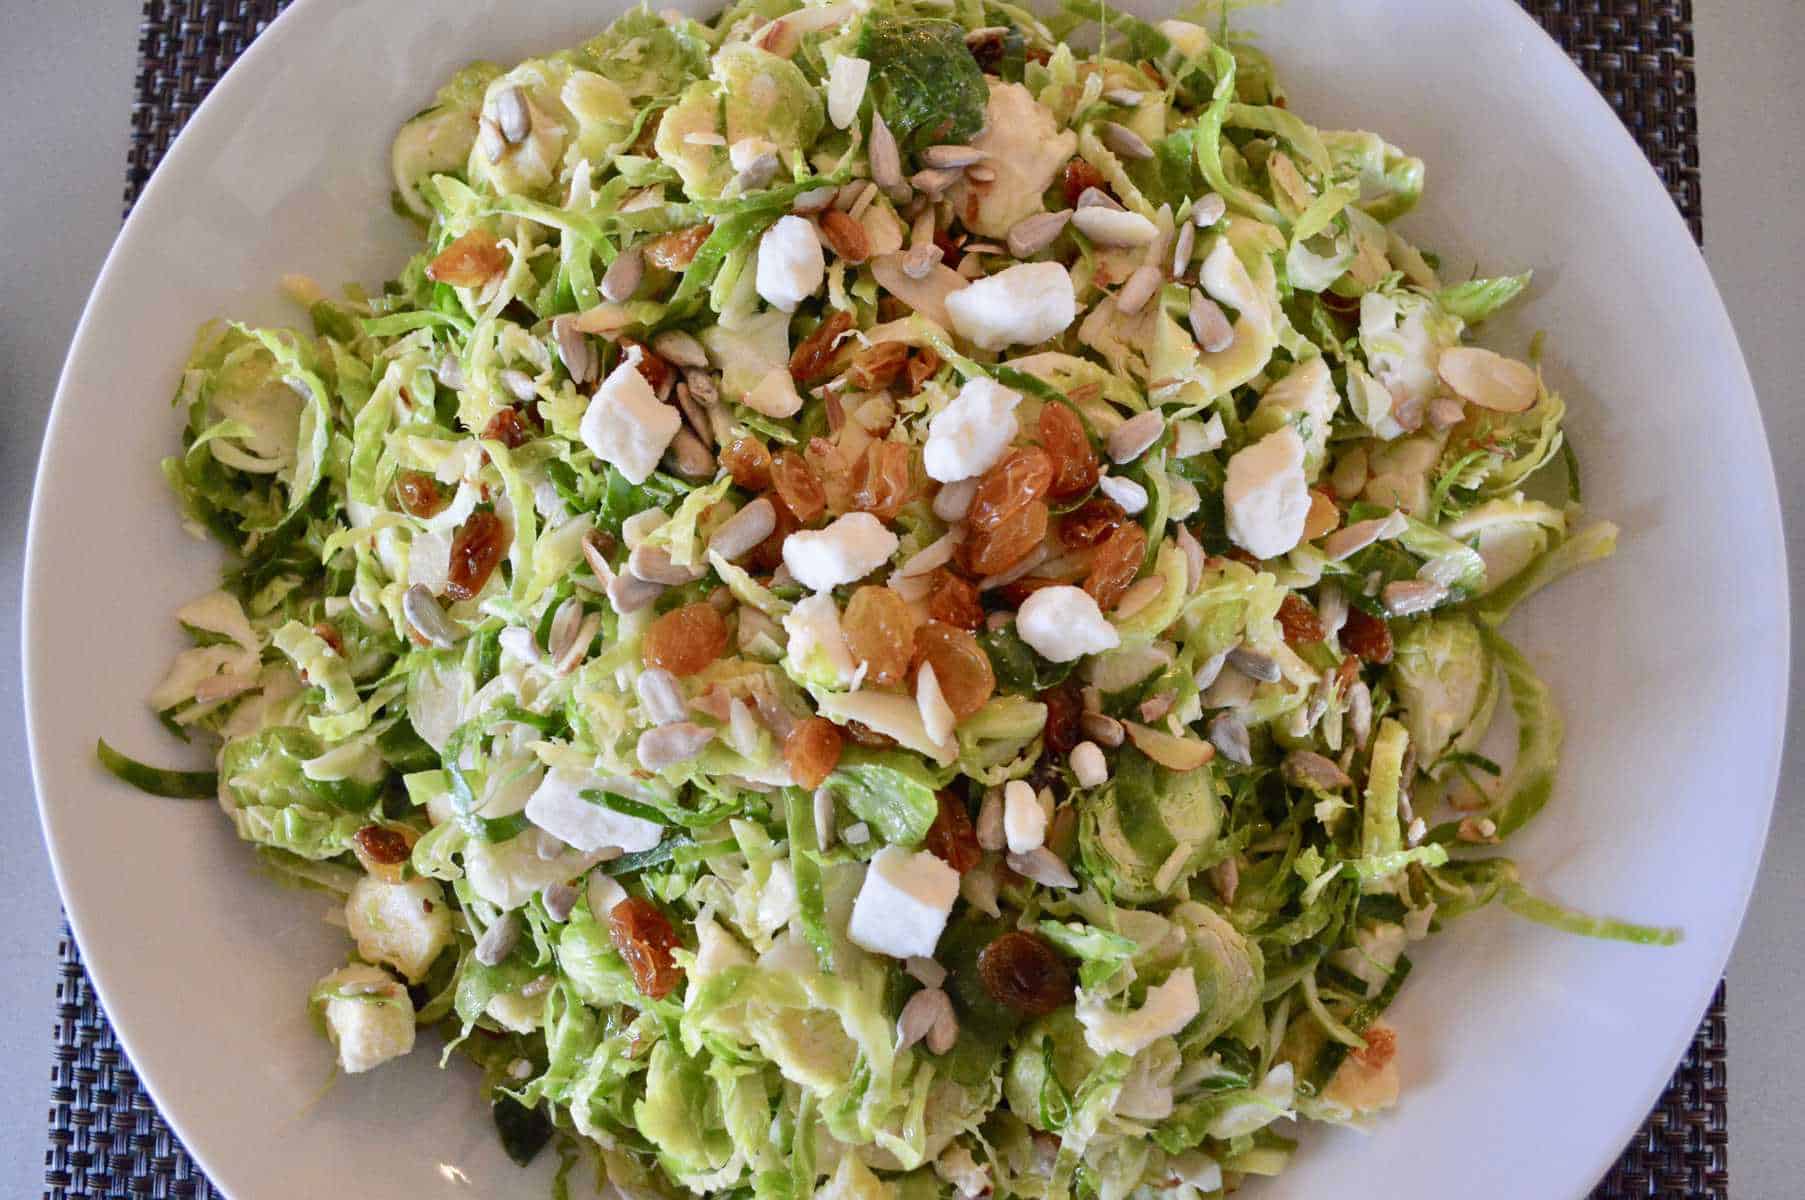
x,y
65,99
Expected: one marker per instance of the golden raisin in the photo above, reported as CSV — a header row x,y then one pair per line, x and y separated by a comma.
x,y
880,632
815,356
812,751
686,639
645,939
1024,972
829,464
1091,522
800,490
1064,707
961,667
420,495
470,261
767,556
675,250
747,460
994,551
880,480
384,850
1062,436
475,550
954,601
1299,622
507,427
922,366
1018,480
654,368
1077,176
1115,564
951,837
876,367
868,737
1367,636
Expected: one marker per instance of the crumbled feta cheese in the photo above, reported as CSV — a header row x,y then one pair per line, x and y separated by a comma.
x,y
1024,820
1024,304
936,713
625,424
1088,765
903,904
790,263
775,395
1166,1011
1306,400
851,548
969,435
558,807
405,925
817,646
1064,623
1267,496
1124,491
369,1016
856,834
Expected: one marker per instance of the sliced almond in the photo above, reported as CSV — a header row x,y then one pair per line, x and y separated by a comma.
x,y
1322,518
927,294
1489,380
1172,753
470,261
1108,227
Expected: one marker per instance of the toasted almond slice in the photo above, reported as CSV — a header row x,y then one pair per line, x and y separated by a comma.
x,y
1489,380
1322,518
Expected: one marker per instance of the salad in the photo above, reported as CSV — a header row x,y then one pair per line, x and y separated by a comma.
x,y
888,607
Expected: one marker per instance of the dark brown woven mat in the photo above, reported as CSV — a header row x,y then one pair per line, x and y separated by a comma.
x,y
106,1137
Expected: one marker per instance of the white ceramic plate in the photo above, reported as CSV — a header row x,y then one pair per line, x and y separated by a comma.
x,y
1529,1057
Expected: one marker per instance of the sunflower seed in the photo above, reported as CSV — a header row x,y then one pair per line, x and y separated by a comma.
x,y
1139,289
990,821
1209,669
1125,142
426,618
1131,439
1445,412
1113,227
920,260
681,349
1210,324
519,384
622,278
953,501
1095,197
660,696
1331,608
512,116
1229,736
1043,867
932,181
490,140
744,530
1404,597
559,899
980,173
1185,242
814,200
979,889
1139,596
1254,665
945,1033
755,174
653,564
952,157
668,745
1124,97
691,458
498,941
575,351
1208,210
824,818
450,373
925,971
936,553
565,623
924,1011
1225,877
1306,768
1102,729
1091,696
578,649
886,161
1156,706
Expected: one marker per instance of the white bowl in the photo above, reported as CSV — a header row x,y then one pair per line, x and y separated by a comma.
x,y
1529,1057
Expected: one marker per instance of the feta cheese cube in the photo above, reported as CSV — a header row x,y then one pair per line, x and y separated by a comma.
x,y
775,395
625,425
369,1016
1125,492
405,925
851,548
969,435
791,266
1267,496
1166,1011
817,647
1024,304
558,807
1024,820
903,904
1064,623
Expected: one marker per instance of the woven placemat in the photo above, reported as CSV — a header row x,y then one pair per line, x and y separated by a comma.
x,y
106,1137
